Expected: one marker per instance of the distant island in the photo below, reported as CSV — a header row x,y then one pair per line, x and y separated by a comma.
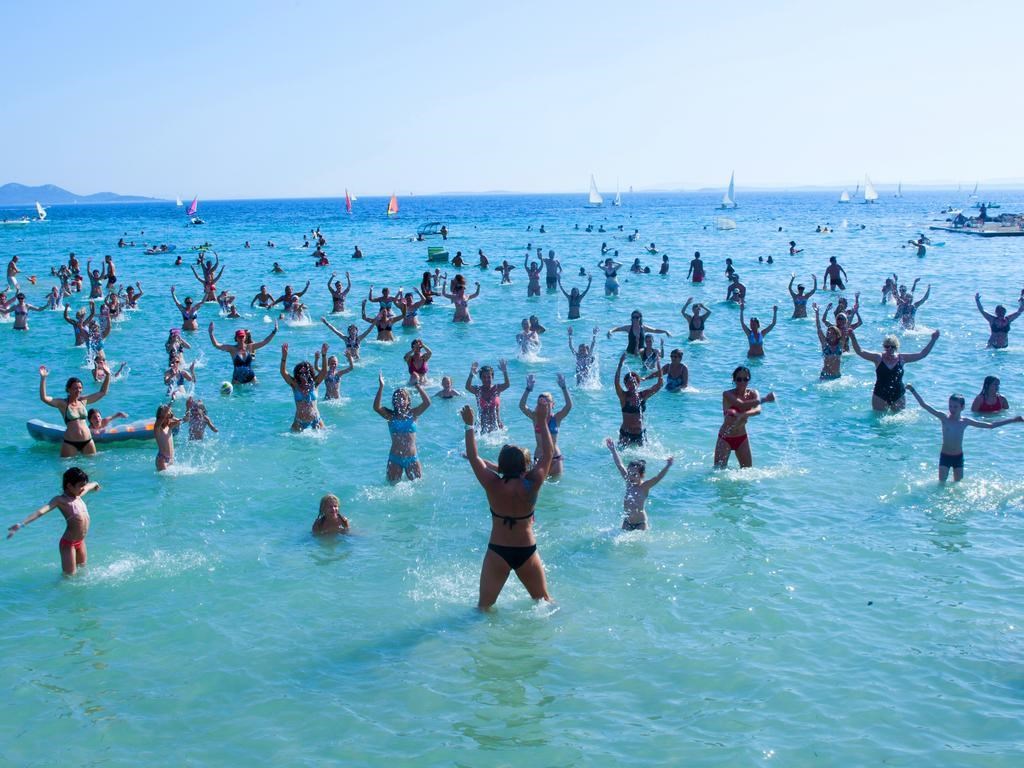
x,y
48,194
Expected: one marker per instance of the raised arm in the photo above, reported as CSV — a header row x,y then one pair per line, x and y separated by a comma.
x,y
177,303
920,401
924,298
873,357
743,323
792,278
775,319
470,387
615,456
526,393
913,356
261,344
503,367
104,386
424,400
377,407
545,445
300,293
590,280
372,320
685,307
564,292
648,484
565,396
475,293
483,474
284,366
814,287
817,324
618,378
326,322
217,344
322,373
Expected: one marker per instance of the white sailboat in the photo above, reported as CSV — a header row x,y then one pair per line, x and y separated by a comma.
x,y
177,201
845,197
618,198
729,198
40,211
595,196
974,194
870,195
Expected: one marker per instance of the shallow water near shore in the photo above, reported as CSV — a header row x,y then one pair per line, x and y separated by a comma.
x,y
832,605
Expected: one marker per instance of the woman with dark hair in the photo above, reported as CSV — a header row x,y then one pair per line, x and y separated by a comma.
x,y
575,297
488,394
554,420
304,381
460,299
189,312
21,309
401,418
738,405
384,321
242,352
75,410
635,332
512,487
696,320
633,404
353,338
989,400
800,298
80,323
416,360
831,341
755,334
999,323
338,293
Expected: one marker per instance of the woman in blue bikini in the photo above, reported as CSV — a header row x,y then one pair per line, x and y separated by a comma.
x,y
401,418
799,297
304,381
554,420
754,332
512,488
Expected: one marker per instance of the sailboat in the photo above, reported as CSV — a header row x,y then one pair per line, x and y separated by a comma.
x,y
191,211
856,190
354,198
974,194
729,198
348,202
40,211
899,189
393,205
618,198
177,201
870,195
595,196
845,197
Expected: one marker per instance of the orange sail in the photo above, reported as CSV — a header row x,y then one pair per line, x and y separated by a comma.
x,y
348,202
393,205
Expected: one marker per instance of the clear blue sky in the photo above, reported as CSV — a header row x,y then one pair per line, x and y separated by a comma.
x,y
305,98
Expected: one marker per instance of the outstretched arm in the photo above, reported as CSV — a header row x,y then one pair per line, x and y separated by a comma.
x,y
261,344
284,367
924,352
873,357
213,340
615,456
526,393
775,319
648,484
920,401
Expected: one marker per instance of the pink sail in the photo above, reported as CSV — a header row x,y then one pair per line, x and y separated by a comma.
x,y
193,206
348,202
393,205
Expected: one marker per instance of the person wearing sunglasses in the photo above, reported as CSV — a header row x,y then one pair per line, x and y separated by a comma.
x,y
889,393
738,405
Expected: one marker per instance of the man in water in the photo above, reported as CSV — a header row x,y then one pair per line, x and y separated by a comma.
x,y
834,275
553,269
12,271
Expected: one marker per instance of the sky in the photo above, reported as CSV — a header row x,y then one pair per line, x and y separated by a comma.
x,y
303,98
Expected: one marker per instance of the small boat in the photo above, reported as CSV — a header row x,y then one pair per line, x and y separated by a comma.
x,y
617,202
40,211
348,202
595,197
431,229
729,198
177,201
437,253
393,205
723,224
54,433
870,195
195,221
14,222
156,250
988,206
974,194
845,197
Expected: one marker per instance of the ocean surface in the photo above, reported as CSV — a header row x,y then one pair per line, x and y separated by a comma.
x,y
833,605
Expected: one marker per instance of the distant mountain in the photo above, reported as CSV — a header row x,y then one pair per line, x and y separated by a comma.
x,y
48,194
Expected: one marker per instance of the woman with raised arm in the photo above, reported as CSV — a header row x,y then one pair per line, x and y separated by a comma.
x,y
460,299
831,341
512,488
338,293
738,405
304,381
755,335
611,269
533,272
332,374
81,323
208,281
189,312
906,311
410,317
800,298
889,392
288,299
242,352
416,360
352,339
633,404
384,322
488,394
21,309
575,297
75,410
554,419
635,332
401,418
998,324
696,321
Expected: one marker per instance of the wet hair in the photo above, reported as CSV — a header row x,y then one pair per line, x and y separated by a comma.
x,y
640,464
740,369
959,399
394,401
161,411
92,412
73,476
513,461
1000,310
486,369
303,375
987,384
799,287
324,501
70,382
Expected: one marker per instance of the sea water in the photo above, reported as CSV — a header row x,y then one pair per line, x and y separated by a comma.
x,y
833,605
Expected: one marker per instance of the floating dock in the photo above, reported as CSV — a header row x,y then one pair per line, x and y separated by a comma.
x,y
989,229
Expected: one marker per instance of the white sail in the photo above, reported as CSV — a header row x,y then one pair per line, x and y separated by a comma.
x,y
729,198
899,189
845,197
353,197
618,198
595,196
41,211
974,194
177,201
869,190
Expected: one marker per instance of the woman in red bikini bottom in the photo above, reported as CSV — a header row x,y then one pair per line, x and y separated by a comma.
x,y
738,405
512,488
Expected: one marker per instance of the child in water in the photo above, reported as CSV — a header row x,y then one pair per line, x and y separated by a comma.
x,y
163,432
447,391
635,500
953,425
330,519
197,418
98,422
76,516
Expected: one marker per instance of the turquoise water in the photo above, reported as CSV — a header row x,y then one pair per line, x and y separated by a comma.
x,y
833,605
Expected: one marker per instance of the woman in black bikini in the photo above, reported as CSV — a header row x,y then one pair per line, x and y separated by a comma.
x,y
75,410
696,320
512,489
633,403
889,392
384,321
999,323
189,312
635,332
